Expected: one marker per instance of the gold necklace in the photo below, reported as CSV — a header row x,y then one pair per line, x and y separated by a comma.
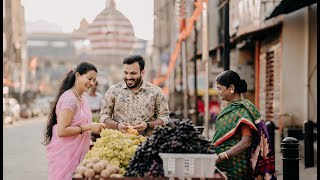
x,y
77,94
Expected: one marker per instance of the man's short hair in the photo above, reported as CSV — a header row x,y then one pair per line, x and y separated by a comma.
x,y
134,58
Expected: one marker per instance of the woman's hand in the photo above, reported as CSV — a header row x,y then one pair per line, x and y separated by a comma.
x,y
219,159
97,127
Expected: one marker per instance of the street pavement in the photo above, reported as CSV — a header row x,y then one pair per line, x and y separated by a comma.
x,y
23,154
304,173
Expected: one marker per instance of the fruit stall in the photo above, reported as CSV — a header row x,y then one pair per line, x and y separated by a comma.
x,y
176,150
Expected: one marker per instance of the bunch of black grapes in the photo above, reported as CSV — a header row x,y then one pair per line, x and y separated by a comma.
x,y
177,136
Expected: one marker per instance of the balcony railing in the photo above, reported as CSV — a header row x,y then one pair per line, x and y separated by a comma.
x,y
244,13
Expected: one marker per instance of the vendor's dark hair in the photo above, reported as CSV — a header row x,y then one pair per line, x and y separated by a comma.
x,y
228,77
66,84
134,58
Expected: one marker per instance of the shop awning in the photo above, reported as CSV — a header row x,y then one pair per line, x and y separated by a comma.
x,y
202,92
288,6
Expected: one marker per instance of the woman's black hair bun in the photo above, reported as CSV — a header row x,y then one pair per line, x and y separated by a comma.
x,y
242,88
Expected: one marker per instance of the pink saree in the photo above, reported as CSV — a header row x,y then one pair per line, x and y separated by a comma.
x,y
65,153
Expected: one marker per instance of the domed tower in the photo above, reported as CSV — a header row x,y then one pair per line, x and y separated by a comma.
x,y
111,34
82,31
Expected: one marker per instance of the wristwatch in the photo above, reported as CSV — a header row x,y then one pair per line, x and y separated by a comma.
x,y
148,126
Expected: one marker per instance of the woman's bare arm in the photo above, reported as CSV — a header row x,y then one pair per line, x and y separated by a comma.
x,y
65,129
64,124
241,146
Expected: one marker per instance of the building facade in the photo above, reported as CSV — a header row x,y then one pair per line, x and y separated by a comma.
x,y
172,18
14,52
104,42
283,55
272,46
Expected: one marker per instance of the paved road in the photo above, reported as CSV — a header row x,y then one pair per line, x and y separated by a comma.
x,y
24,155
304,173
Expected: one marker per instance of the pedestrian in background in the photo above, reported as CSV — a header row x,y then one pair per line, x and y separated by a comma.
x,y
134,102
95,99
241,139
214,108
67,134
200,103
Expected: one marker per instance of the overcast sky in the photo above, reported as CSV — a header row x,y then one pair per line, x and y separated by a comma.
x,y
68,13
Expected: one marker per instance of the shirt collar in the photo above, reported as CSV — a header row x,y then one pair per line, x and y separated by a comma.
x,y
143,85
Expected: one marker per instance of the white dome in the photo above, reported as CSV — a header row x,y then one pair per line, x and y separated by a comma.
x,y
111,33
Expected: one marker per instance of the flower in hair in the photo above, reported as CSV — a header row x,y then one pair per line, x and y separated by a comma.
x,y
74,68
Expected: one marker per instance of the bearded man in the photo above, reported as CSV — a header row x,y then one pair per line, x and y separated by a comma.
x,y
134,103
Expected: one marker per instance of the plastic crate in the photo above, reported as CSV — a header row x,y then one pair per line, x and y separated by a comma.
x,y
189,165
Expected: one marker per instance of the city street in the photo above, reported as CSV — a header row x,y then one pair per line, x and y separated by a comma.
x,y
224,64
24,155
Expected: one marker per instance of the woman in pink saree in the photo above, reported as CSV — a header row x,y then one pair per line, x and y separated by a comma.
x,y
68,131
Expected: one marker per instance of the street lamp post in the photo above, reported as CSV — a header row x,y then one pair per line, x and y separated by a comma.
x,y
205,59
226,52
185,80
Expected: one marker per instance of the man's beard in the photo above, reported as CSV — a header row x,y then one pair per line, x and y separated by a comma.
x,y
136,82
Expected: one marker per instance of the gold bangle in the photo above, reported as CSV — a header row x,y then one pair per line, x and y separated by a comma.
x,y
225,154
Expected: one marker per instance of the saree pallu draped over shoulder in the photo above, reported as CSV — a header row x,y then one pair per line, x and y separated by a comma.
x,y
257,162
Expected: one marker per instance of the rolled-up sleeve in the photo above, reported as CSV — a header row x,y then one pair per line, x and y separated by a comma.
x,y
107,106
162,107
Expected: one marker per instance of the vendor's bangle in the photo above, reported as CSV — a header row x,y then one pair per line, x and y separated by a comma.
x,y
148,125
117,125
80,128
225,154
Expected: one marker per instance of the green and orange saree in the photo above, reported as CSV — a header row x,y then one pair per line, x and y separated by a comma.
x,y
256,162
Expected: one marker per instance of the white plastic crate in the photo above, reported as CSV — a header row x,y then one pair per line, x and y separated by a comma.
x,y
189,165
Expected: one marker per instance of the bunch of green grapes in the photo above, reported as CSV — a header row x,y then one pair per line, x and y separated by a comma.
x,y
116,147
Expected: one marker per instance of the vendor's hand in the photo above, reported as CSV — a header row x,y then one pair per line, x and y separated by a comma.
x,y
137,122
123,126
140,125
97,127
218,160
